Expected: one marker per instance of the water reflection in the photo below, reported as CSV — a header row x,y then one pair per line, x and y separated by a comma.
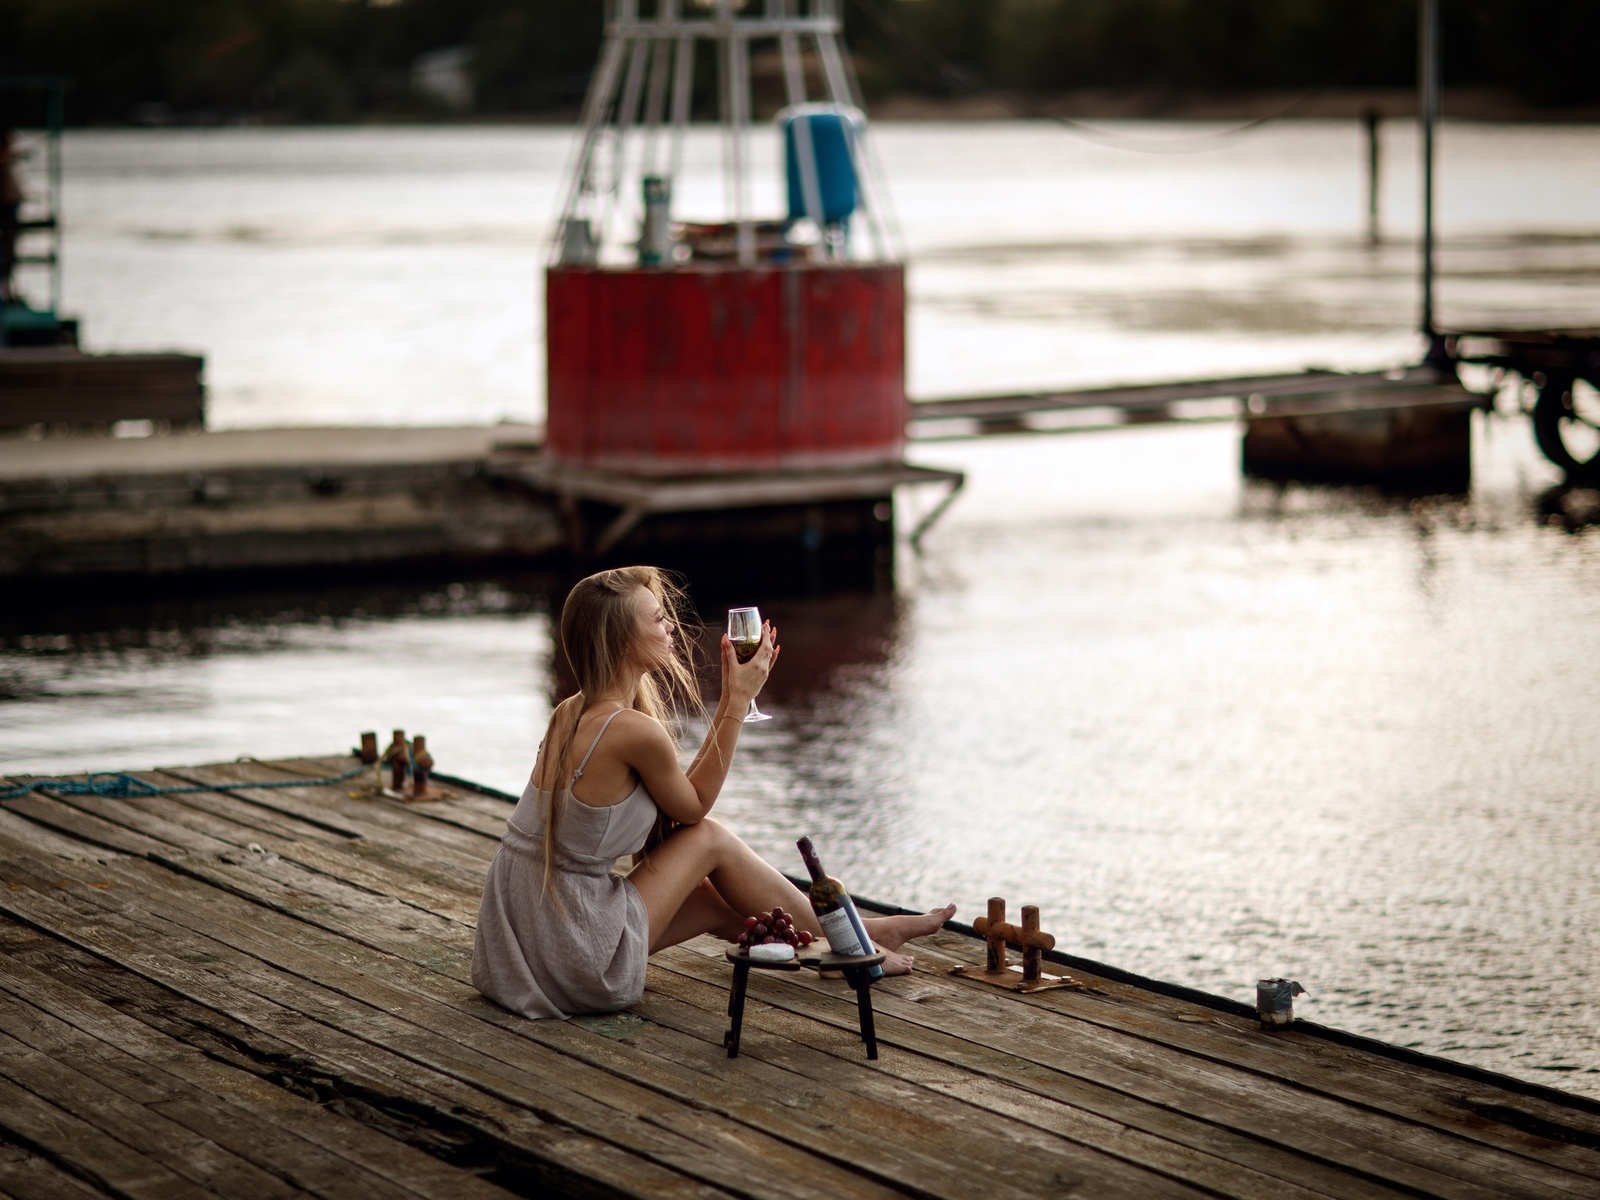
x,y
1573,509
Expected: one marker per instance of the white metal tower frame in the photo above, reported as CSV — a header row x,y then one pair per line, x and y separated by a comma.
x,y
625,113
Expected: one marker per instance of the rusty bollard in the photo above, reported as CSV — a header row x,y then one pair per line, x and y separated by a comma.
x,y
997,933
1275,1002
995,936
422,766
398,757
369,748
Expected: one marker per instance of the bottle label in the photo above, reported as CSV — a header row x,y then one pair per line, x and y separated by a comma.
x,y
862,938
841,932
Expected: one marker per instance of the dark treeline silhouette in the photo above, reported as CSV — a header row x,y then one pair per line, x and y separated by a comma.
x,y
338,60
1539,50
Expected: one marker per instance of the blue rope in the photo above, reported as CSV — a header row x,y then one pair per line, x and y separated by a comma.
x,y
122,787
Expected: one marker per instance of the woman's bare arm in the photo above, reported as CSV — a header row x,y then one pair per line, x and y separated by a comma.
x,y
688,795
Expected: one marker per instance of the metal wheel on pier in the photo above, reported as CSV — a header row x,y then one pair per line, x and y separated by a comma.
x,y
1566,424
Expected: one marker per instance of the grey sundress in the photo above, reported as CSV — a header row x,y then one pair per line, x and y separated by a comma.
x,y
532,958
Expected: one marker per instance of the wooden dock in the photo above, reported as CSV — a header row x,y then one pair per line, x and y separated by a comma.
x,y
250,992
1247,398
319,500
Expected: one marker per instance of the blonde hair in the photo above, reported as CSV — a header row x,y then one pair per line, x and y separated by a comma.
x,y
599,630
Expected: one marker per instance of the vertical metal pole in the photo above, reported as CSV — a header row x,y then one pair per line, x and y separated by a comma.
x,y
881,207
1428,73
655,104
601,89
805,150
56,118
1374,163
842,93
725,105
682,83
627,117
739,88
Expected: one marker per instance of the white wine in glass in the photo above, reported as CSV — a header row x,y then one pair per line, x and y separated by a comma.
x,y
744,631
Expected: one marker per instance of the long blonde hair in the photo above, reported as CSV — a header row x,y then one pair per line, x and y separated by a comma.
x,y
599,629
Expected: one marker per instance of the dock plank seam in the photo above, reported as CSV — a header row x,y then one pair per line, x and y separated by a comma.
x,y
386,1114
1285,1066
1263,1159
543,1037
411,1041
1437,1175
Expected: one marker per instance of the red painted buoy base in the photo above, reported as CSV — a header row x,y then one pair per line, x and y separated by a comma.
x,y
718,368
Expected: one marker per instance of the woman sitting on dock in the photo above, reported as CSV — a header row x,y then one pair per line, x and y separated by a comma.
x,y
558,932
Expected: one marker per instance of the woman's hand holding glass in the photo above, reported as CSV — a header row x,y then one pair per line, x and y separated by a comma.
x,y
749,650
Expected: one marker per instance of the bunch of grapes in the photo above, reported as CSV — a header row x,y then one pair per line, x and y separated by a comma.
x,y
774,926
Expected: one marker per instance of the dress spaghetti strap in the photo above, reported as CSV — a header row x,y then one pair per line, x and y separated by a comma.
x,y
605,725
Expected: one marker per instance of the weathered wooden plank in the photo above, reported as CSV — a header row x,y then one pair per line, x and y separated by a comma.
x,y
270,879
210,924
388,877
1317,1064
1240,1094
887,1129
554,1158
1186,1148
237,813
352,805
306,806
366,917
450,1120
180,833
400,854
46,840
376,1164
90,1153
422,1005
615,1110
459,807
405,867
1350,1136
26,1176
302,1164
1007,1121
307,1145
74,824
925,1152
344,966
461,815
135,1124
338,857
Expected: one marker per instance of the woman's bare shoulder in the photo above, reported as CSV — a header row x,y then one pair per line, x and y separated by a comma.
x,y
633,724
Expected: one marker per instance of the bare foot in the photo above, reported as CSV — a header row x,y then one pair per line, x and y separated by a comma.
x,y
894,963
890,933
897,964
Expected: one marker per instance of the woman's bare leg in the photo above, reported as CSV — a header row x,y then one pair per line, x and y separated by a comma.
x,y
672,882
745,882
704,911
890,933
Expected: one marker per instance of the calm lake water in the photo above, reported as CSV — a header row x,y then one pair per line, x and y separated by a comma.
x,y
1217,731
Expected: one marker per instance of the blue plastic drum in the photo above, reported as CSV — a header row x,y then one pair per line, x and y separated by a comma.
x,y
834,130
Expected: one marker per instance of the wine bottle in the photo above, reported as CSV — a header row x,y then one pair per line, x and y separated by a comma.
x,y
841,923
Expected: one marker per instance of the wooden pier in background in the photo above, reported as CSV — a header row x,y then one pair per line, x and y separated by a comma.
x,y
240,992
1248,398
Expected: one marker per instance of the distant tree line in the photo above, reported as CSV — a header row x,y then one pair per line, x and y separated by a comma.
x,y
341,60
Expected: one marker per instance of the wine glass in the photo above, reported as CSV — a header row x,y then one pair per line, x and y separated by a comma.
x,y
744,631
